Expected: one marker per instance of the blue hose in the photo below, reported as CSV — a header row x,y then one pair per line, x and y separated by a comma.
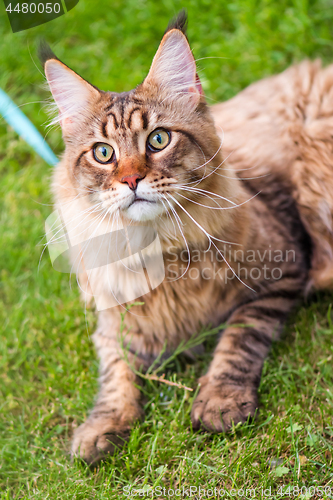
x,y
23,126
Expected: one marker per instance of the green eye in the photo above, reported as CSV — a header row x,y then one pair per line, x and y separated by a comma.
x,y
103,152
159,139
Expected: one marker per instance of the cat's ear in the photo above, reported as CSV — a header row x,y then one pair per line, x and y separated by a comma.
x,y
173,67
72,94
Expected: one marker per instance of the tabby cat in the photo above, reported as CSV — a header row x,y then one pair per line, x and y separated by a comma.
x,y
235,251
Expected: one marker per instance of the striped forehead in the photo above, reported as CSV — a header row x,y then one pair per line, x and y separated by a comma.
x,y
125,113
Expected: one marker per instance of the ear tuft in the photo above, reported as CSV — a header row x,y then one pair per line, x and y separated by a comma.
x,y
45,52
179,22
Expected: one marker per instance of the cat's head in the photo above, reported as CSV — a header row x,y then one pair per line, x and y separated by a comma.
x,y
139,152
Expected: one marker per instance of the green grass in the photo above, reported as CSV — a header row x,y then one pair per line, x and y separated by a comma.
x,y
48,366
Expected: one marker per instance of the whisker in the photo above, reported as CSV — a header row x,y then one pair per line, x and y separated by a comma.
x,y
236,205
204,206
90,210
196,182
87,242
179,223
199,226
61,227
209,236
171,219
203,192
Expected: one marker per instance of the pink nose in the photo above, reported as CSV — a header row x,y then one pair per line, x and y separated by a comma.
x,y
132,181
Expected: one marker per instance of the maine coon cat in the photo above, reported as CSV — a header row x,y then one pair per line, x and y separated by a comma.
x,y
234,250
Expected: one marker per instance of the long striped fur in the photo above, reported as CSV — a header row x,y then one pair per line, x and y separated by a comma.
x,y
235,249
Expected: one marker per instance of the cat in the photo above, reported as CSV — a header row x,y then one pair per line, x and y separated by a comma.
x,y
235,251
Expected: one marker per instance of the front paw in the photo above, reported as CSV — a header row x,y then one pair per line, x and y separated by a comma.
x,y
97,438
217,408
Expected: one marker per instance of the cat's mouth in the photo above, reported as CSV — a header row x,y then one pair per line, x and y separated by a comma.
x,y
142,209
137,199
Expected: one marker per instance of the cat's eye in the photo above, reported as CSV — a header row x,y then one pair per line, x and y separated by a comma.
x,y
103,153
158,140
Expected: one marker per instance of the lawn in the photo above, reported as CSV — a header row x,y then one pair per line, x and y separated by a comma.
x,y
48,368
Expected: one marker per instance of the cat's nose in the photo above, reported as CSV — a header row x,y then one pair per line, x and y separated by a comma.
x,y
132,181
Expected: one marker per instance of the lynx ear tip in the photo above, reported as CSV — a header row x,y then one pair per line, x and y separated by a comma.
x,y
45,53
178,22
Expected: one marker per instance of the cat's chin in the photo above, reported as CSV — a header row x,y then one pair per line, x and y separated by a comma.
x,y
141,210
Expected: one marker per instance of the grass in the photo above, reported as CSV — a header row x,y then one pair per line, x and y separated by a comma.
x,y
48,366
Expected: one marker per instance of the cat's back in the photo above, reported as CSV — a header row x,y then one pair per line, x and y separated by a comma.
x,y
275,111
283,125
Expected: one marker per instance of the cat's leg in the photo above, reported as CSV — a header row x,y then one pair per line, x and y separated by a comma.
x,y
228,391
116,408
